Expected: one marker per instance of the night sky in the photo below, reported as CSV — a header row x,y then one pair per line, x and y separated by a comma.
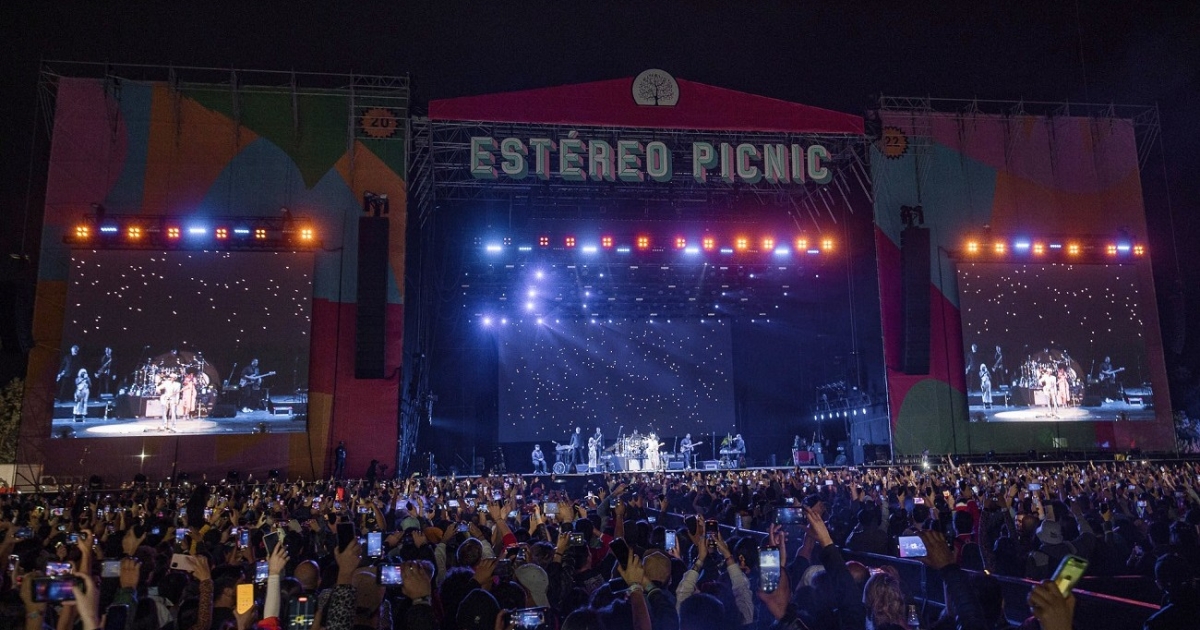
x,y
231,306
671,377
832,55
1092,311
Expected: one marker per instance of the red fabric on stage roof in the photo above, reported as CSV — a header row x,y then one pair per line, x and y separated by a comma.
x,y
610,104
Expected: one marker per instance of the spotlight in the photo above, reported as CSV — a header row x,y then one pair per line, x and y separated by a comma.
x,y
82,232
260,233
768,244
1073,249
221,233
533,293
742,243
972,247
173,232
1038,249
306,234
643,242
801,243
494,248
680,242
1111,250
709,243
539,275
133,233
999,247
1021,246
569,241
606,242
197,230
487,321
1138,250
827,245
543,241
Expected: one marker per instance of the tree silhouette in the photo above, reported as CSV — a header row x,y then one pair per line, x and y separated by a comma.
x,y
656,86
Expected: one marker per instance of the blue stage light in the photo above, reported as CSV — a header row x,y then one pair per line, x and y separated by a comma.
x,y
590,249
242,231
525,248
692,250
487,321
624,249
1124,248
1021,246
109,229
726,250
783,251
494,248
197,230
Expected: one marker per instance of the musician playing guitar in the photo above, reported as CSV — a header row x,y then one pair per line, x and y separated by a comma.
x,y
686,448
1108,374
251,384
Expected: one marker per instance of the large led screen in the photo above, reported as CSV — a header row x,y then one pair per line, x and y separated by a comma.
x,y
184,342
667,377
1054,342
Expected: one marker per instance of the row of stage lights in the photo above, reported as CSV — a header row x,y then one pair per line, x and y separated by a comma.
x,y
645,243
138,231
831,415
1071,249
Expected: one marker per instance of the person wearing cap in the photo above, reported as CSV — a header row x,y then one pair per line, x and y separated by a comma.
x,y
1041,562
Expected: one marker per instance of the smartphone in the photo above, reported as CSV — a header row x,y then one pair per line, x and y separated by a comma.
x,y
769,569
182,562
261,571
504,568
207,513
56,511
115,617
918,501
550,508
497,495
389,575
180,534
73,538
301,611
24,533
575,539
244,538
245,598
14,561
737,521
345,534
463,527
528,618
316,503
620,551
789,516
912,547
50,589
1035,486
362,509
271,540
374,544
1069,571
337,506
669,540
58,569
829,482
452,503
110,569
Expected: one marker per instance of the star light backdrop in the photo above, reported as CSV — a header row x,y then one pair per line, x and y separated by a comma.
x,y
1091,310
232,306
671,376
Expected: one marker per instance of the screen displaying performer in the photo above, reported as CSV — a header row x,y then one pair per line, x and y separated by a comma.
x,y
671,377
1054,342
192,342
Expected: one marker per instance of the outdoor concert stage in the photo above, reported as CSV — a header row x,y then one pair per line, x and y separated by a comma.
x,y
285,416
1108,411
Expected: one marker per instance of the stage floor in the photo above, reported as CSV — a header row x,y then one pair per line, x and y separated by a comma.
x,y
1108,411
96,426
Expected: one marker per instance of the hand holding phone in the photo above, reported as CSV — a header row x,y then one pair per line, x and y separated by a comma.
x,y
1069,571
769,569
912,547
245,598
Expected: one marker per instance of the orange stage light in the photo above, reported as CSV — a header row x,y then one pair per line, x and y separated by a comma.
x,y
221,233
643,242
1138,250
802,244
709,242
1073,249
260,233
1038,249
999,247
827,245
82,231
768,244
544,241
680,242
972,247
742,243
606,242
1111,250
570,241
173,232
133,233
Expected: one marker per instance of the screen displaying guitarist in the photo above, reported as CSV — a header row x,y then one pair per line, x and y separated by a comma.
x,y
1108,374
251,387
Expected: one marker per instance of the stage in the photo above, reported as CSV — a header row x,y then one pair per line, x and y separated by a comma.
x,y
287,416
1106,411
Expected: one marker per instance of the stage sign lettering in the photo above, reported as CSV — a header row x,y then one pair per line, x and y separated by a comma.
x,y
574,159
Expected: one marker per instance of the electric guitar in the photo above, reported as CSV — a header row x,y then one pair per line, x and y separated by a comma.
x,y
1109,375
246,380
688,449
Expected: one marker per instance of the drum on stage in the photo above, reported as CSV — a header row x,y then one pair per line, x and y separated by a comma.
x,y
559,468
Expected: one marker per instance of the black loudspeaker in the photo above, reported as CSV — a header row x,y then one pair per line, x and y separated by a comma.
x,y
372,297
223,410
914,268
675,464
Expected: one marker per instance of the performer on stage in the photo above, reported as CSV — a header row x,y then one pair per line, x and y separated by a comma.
x,y
593,454
574,454
686,448
599,437
82,392
105,377
739,450
652,459
972,365
251,384
187,395
998,371
797,444
539,459
339,460
1063,387
985,384
168,395
70,364
1049,386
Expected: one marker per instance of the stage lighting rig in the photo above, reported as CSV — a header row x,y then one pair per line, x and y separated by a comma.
x,y
287,232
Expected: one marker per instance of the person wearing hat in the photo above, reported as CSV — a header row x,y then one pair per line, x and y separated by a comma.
x,y
1041,562
478,611
536,581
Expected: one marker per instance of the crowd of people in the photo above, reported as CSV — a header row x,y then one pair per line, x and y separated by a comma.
x,y
643,551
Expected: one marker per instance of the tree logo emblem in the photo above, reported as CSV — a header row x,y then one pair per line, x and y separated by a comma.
x,y
655,88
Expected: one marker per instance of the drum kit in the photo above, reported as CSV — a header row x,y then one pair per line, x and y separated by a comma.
x,y
147,379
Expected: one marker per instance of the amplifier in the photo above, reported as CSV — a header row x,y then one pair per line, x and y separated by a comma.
x,y
281,410
711,464
675,464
